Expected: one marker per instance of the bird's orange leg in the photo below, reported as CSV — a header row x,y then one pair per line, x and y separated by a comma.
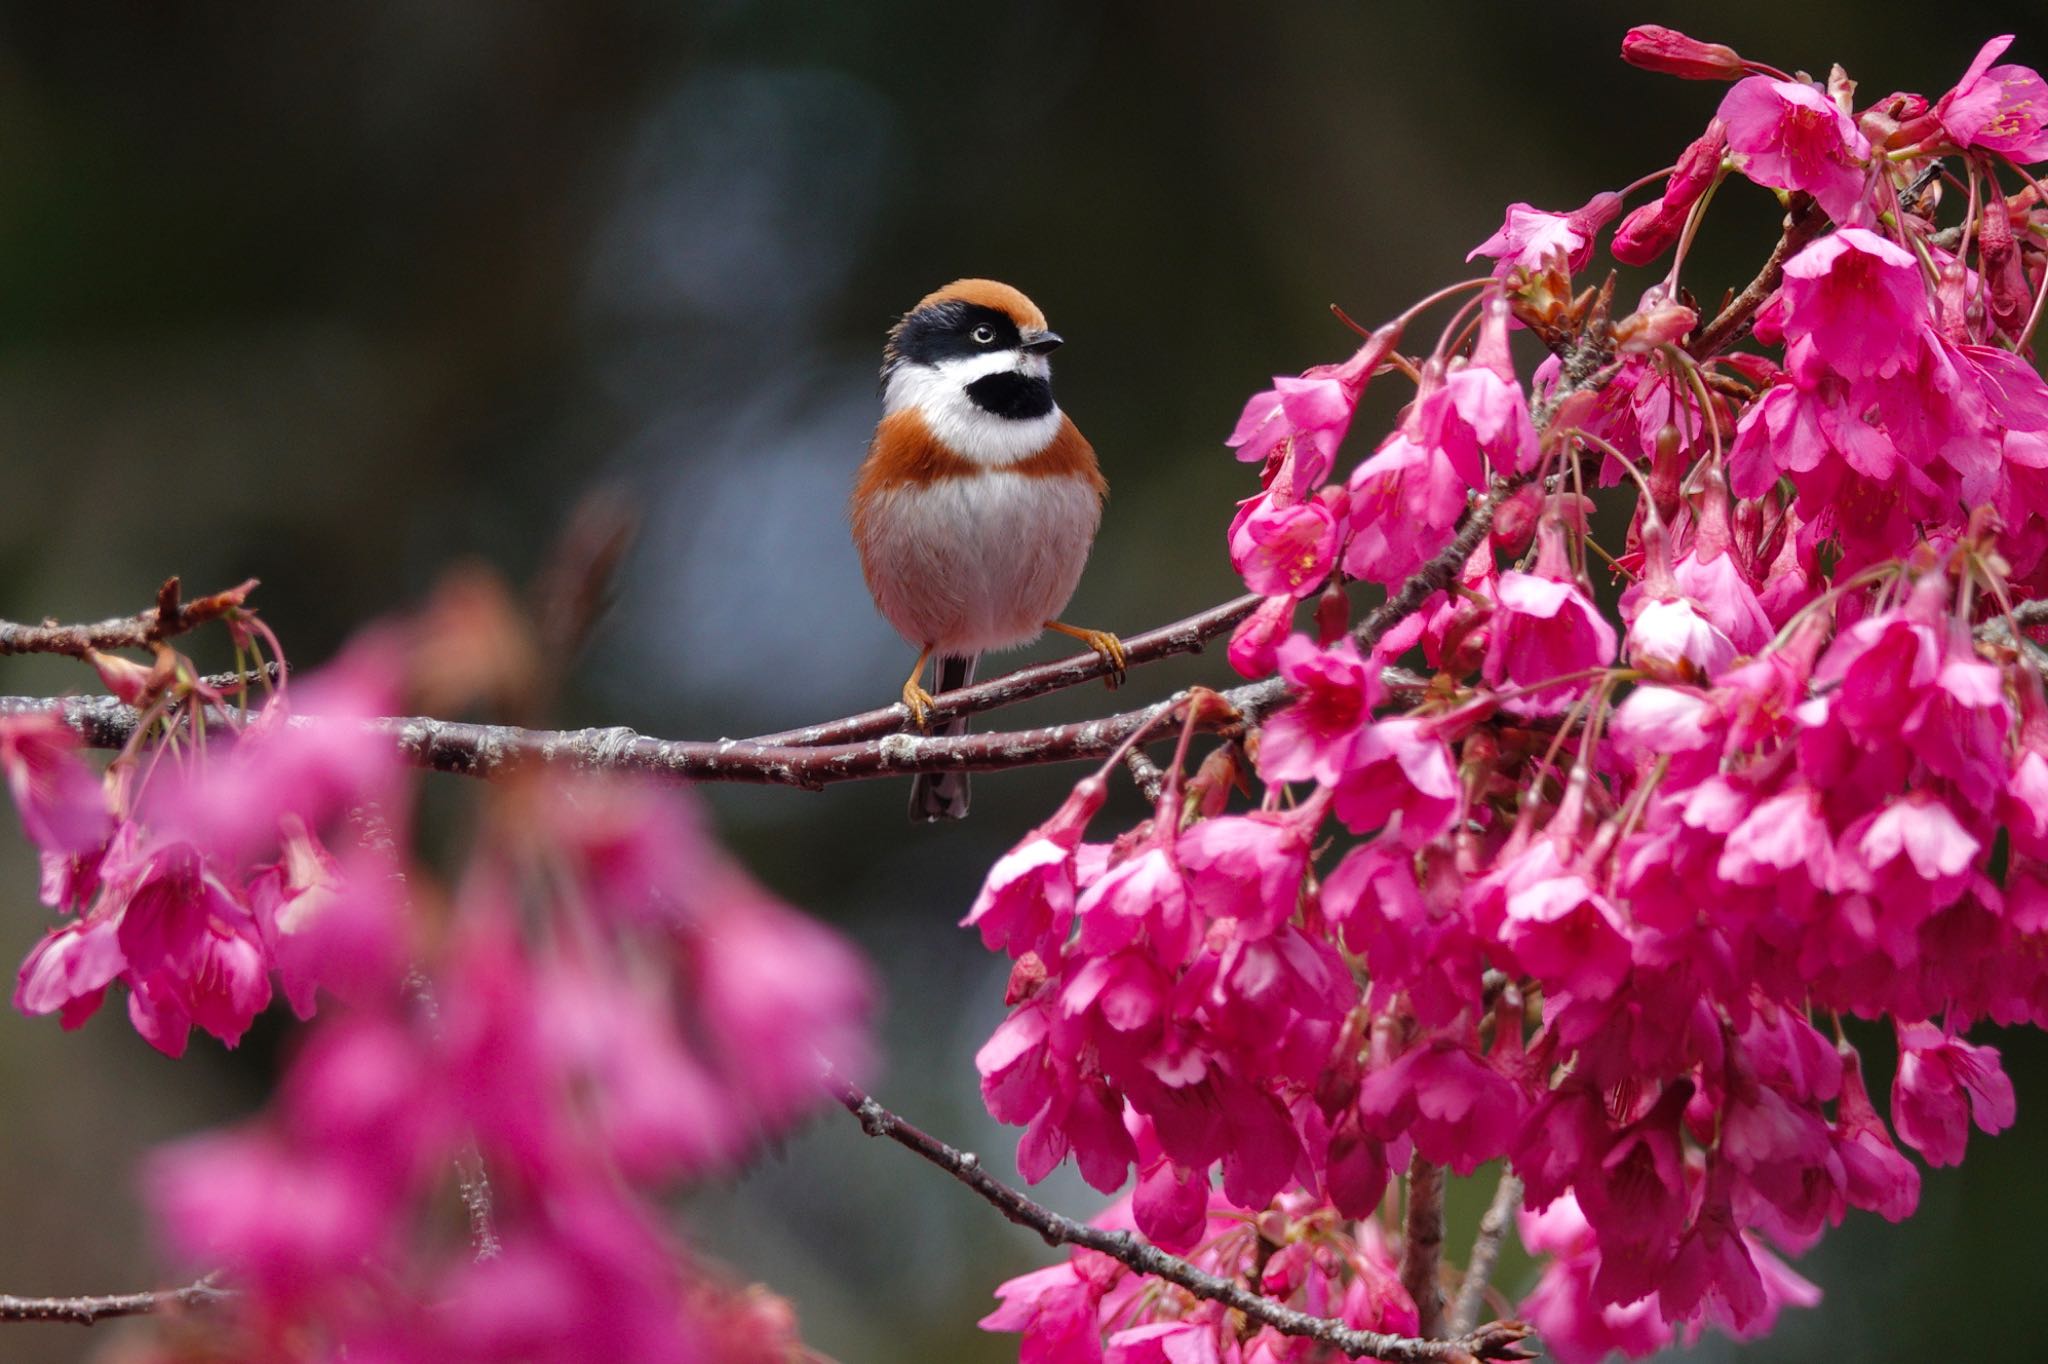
x,y
1102,642
915,697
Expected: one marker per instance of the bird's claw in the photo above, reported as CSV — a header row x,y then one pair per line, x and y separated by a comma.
x,y
918,702
1112,649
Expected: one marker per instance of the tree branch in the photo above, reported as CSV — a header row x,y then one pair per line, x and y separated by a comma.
x,y
479,750
1501,1340
1422,1245
86,1311
1181,637
1486,1246
168,617
1803,223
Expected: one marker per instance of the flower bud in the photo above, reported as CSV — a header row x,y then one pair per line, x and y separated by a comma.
x,y
124,678
1656,48
1646,233
1653,327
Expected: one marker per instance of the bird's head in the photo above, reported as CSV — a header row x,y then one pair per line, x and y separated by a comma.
x,y
974,349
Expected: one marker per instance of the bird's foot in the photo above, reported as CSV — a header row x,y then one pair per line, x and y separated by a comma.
x,y
918,701
1102,642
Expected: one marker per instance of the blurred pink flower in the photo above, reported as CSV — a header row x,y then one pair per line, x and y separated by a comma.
x,y
62,806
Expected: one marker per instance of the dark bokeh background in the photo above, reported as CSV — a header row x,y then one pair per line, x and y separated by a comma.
x,y
337,295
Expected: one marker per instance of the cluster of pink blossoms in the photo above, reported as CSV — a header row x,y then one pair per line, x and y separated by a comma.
x,y
192,881
601,1006
1582,865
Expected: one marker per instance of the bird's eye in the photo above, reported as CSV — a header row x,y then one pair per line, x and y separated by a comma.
x,y
984,335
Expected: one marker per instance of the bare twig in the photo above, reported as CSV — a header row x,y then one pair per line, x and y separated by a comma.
x,y
1422,1245
1803,222
1151,781
168,617
1500,1340
85,1311
1181,637
1486,1246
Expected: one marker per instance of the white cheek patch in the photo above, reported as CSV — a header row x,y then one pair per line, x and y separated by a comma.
x,y
939,394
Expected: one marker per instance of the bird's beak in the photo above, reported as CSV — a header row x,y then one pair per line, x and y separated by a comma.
x,y
1038,341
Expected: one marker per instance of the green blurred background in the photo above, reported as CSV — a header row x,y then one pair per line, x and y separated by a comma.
x,y
338,295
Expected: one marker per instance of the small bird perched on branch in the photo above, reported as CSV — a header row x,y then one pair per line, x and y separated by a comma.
x,y
978,501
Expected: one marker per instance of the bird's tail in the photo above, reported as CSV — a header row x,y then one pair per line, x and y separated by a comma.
x,y
943,795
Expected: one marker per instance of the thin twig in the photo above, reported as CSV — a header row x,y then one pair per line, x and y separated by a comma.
x,y
168,617
1486,1247
1181,637
1422,1245
1500,1340
86,1311
1151,781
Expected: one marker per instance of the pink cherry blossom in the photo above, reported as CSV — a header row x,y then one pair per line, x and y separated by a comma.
x,y
1578,1325
1876,1176
1460,1111
1316,738
1399,771
1254,649
1305,418
1789,135
1531,237
70,969
1545,630
1247,868
2001,108
1942,1085
1404,502
1671,639
1858,300
1285,550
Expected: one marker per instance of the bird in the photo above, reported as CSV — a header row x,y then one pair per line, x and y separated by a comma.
x,y
978,501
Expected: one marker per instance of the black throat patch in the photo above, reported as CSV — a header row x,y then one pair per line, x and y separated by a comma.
x,y
1020,397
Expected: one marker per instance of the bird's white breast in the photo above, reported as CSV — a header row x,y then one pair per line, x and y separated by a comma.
x,y
979,563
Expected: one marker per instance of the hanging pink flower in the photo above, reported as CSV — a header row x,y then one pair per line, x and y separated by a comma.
x,y
1545,629
1400,770
1858,299
1405,500
62,807
1305,418
1531,237
1999,108
1254,649
1942,1084
1335,692
1789,135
